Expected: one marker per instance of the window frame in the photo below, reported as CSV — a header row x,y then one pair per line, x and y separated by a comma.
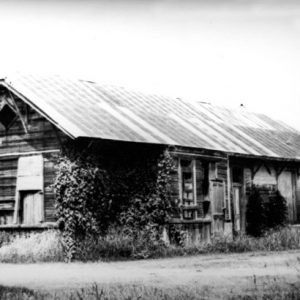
x,y
194,180
20,188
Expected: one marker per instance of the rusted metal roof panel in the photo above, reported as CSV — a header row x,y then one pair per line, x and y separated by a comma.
x,y
87,109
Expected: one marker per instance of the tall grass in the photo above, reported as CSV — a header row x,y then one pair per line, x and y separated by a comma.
x,y
37,247
118,246
285,238
269,290
47,246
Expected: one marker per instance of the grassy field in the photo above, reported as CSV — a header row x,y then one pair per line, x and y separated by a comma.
x,y
231,276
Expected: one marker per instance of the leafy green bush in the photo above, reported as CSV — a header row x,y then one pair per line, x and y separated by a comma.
x,y
81,203
276,211
130,190
263,215
146,214
255,214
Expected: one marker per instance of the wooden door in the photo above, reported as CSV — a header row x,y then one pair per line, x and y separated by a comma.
x,y
32,208
285,186
237,207
298,198
218,199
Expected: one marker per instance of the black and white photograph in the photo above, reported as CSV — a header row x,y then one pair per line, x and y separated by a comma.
x,y
150,149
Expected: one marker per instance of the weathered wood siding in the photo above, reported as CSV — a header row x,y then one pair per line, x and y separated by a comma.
x,y
218,196
286,187
50,160
269,178
14,142
268,181
298,195
264,179
210,207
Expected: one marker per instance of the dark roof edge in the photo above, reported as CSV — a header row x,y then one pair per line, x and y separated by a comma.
x,y
225,154
258,157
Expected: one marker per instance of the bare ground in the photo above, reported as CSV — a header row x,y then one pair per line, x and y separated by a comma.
x,y
218,273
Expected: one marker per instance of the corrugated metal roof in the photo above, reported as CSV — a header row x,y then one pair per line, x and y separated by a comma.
x,y
87,109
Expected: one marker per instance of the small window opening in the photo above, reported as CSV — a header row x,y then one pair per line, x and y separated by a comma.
x,y
194,188
7,116
205,185
187,182
237,175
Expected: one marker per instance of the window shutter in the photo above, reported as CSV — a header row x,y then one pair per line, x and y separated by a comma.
x,y
30,173
298,198
221,170
30,178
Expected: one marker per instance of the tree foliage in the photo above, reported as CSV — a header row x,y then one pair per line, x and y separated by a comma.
x,y
81,200
155,207
112,188
277,211
263,214
255,214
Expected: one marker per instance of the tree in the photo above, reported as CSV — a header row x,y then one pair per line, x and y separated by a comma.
x,y
276,211
255,214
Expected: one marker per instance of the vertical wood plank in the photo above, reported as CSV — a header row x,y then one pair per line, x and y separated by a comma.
x,y
229,189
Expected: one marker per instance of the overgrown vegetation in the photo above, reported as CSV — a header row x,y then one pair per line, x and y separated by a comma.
x,y
5,238
118,245
260,288
265,214
112,187
81,202
37,247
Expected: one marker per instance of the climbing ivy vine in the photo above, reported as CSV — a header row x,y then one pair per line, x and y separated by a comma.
x,y
101,187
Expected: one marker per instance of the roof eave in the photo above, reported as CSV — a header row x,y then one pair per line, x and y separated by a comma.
x,y
32,105
258,157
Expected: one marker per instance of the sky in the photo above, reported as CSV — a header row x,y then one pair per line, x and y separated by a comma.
x,y
224,52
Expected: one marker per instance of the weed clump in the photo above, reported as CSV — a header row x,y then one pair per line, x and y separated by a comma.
x,y
37,247
118,244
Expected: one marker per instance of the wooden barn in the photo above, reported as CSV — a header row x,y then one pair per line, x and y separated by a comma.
x,y
220,153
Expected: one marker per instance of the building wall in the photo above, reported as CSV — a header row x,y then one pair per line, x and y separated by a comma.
x,y
212,209
203,196
43,139
268,178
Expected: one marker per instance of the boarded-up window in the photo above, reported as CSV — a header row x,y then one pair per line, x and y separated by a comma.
x,y
30,173
29,207
218,195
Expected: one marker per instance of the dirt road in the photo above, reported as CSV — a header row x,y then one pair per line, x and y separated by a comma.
x,y
228,272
